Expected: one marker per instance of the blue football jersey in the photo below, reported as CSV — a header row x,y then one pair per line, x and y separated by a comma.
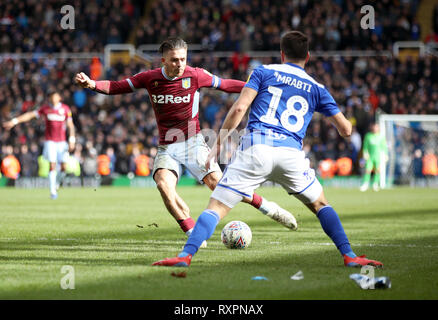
x,y
283,108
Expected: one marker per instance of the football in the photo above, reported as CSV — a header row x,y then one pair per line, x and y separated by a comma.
x,y
236,235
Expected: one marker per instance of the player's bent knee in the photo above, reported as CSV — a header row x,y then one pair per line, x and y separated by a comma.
x,y
227,197
165,176
212,179
312,194
165,184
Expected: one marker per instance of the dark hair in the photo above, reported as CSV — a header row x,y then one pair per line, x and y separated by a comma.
x,y
295,45
172,44
51,92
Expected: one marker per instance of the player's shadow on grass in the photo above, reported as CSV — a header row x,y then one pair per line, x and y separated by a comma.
x,y
202,280
305,217
308,223
389,214
227,275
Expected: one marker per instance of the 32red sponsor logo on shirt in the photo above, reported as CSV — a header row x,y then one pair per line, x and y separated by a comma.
x,y
169,98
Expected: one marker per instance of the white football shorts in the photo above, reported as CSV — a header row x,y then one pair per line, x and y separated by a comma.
x,y
191,153
251,167
56,152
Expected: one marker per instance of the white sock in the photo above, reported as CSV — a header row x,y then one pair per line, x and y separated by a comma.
x,y
189,232
52,181
266,206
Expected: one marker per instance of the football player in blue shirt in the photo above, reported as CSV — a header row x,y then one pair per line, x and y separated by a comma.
x,y
283,98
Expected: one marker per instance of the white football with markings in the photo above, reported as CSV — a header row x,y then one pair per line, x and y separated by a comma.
x,y
236,235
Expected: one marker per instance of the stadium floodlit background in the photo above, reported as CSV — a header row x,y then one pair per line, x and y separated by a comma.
x,y
389,69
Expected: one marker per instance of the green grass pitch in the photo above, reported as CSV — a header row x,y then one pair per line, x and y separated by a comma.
x,y
110,236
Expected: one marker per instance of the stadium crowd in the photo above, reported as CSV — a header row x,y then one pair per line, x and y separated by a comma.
x,y
221,25
34,25
124,126
245,25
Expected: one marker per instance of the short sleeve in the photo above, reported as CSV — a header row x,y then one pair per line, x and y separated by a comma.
x,y
254,80
138,81
327,105
68,111
206,79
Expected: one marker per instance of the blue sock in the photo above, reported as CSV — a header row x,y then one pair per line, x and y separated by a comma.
x,y
332,226
204,228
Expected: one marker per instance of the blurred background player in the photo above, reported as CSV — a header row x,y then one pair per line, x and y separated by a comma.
x,y
174,94
374,149
58,118
283,98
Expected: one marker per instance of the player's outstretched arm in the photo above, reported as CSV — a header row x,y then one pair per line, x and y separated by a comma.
x,y
8,125
208,80
104,86
342,124
84,81
232,120
231,85
238,110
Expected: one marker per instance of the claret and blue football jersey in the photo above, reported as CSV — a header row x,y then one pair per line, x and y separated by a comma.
x,y
283,108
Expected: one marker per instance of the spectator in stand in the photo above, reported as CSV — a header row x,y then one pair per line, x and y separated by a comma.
x,y
221,25
430,166
119,121
33,26
89,165
28,162
10,166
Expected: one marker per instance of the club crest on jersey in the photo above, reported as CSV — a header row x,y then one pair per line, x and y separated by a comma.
x,y
185,83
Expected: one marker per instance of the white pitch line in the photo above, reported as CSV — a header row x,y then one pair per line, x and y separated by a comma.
x,y
374,245
109,240
171,242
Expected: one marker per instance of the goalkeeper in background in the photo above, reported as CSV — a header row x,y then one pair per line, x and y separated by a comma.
x,y
374,147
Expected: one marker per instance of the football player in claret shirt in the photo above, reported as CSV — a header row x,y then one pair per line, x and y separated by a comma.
x,y
174,93
58,118
282,99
